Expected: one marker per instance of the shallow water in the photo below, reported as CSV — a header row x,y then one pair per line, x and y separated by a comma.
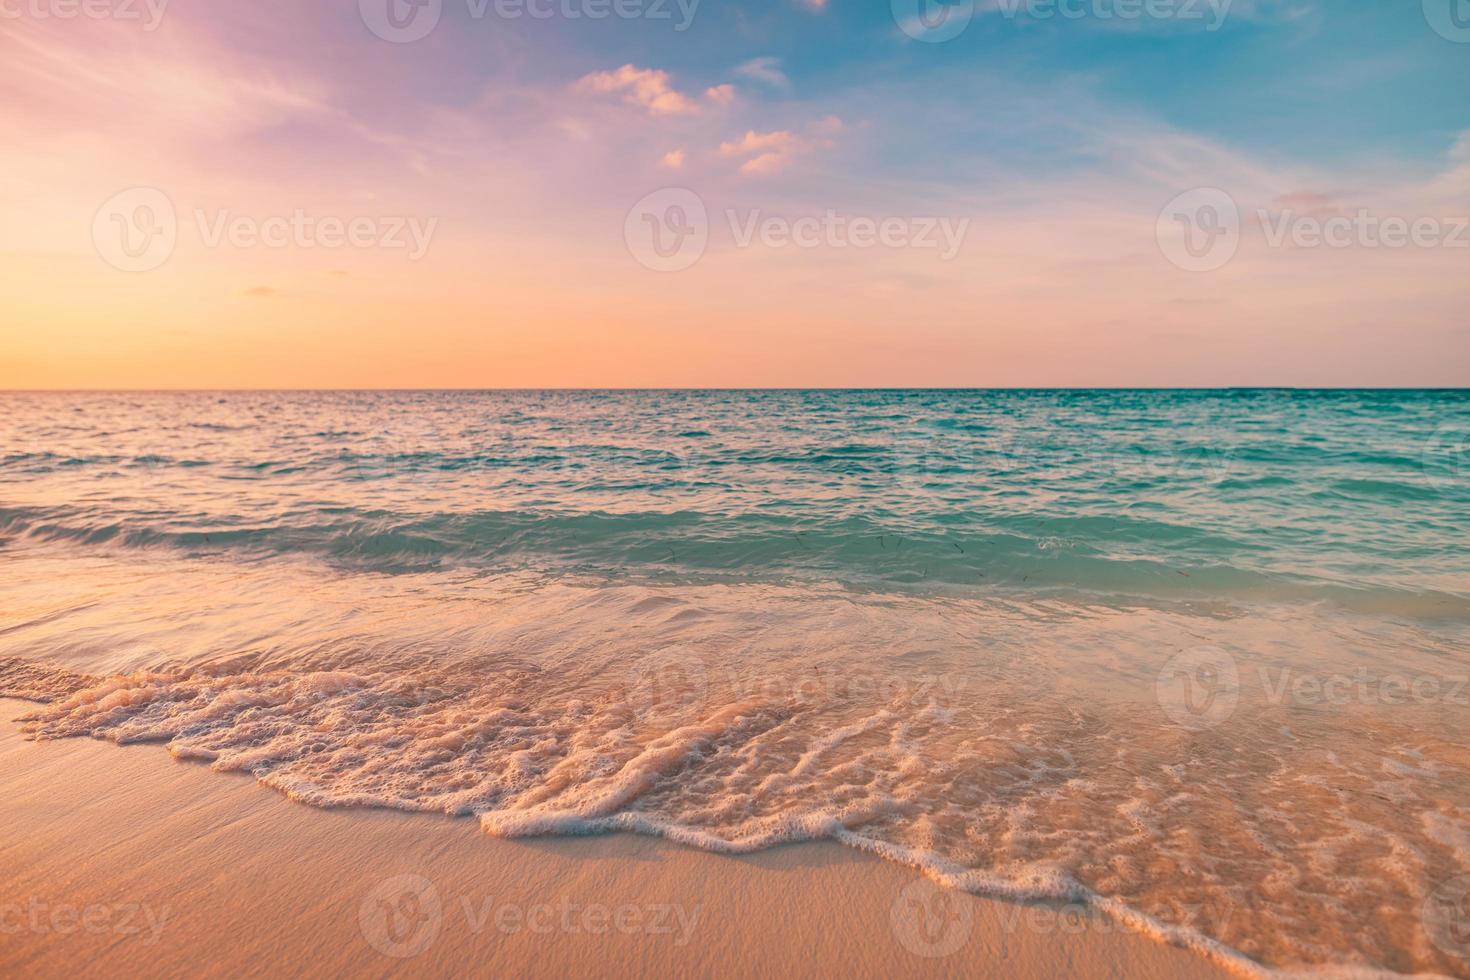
x,y
1197,659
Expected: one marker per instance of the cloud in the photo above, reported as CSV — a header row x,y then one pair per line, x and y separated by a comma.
x,y
1312,204
650,89
674,159
766,71
769,152
647,88
260,291
753,141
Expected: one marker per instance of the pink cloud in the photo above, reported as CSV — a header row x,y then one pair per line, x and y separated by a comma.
x,y
647,88
753,142
769,152
720,94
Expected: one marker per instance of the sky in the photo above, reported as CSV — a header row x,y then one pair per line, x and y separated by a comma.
x,y
705,193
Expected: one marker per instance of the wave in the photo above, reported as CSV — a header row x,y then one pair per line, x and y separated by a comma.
x,y
729,776
1034,556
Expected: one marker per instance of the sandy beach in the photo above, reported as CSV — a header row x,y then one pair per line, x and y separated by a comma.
x,y
134,864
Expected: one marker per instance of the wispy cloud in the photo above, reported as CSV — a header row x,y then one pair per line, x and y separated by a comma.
x,y
765,70
770,152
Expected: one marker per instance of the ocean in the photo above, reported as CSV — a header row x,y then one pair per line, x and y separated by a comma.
x,y
1195,660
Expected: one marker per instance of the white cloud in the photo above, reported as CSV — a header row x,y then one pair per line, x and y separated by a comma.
x,y
765,70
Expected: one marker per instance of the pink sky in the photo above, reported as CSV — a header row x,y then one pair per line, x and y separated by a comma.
x,y
526,179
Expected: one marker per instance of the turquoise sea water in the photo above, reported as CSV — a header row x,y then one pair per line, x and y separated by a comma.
x,y
1318,494
1196,660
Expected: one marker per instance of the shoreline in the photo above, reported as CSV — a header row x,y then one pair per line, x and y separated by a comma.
x,y
142,865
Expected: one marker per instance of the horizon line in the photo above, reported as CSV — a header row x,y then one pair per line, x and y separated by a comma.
x,y
728,388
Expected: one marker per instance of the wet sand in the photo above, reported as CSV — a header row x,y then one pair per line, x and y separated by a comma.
x,y
121,861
